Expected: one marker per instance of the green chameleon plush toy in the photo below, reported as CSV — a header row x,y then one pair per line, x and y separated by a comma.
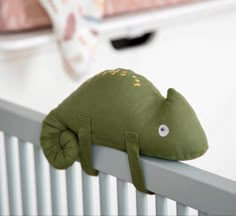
x,y
122,110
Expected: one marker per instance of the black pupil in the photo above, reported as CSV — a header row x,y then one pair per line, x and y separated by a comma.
x,y
162,129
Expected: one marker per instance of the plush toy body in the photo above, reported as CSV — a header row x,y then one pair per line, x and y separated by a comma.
x,y
122,110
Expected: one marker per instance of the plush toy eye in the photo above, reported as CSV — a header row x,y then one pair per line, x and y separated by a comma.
x,y
163,130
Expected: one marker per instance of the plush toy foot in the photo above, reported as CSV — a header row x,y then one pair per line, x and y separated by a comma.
x,y
85,139
132,145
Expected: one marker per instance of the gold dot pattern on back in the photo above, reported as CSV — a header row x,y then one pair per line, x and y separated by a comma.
x,y
123,73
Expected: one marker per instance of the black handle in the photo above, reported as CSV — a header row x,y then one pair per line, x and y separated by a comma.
x,y
128,42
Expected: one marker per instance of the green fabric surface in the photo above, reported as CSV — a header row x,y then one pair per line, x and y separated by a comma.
x,y
114,102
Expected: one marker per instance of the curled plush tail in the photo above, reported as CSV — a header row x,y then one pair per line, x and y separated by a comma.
x,y
60,145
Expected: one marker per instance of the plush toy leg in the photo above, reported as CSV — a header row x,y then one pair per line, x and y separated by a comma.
x,y
132,146
86,146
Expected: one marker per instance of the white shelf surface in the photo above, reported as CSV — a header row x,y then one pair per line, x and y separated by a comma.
x,y
134,23
25,40
125,25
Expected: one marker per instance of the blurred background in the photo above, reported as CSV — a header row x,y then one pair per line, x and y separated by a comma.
x,y
189,46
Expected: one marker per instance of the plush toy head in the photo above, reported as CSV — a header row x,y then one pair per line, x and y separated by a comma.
x,y
177,132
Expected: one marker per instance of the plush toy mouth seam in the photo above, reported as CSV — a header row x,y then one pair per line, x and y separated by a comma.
x,y
180,157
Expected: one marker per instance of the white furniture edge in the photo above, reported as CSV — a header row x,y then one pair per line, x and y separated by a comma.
x,y
125,25
26,40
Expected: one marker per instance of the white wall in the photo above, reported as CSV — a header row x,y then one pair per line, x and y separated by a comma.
x,y
198,59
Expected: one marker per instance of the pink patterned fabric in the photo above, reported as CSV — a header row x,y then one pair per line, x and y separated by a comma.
x,y
114,7
70,27
17,15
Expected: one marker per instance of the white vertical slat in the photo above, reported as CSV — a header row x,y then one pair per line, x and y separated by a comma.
x,y
181,209
42,183
73,179
13,171
161,205
202,214
87,194
28,178
141,203
105,194
122,194
59,193
4,198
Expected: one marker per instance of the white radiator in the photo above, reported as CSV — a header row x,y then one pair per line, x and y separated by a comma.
x,y
29,186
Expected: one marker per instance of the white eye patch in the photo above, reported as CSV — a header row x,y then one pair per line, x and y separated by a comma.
x,y
163,130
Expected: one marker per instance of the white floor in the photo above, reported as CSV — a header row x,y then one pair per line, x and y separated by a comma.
x,y
198,59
